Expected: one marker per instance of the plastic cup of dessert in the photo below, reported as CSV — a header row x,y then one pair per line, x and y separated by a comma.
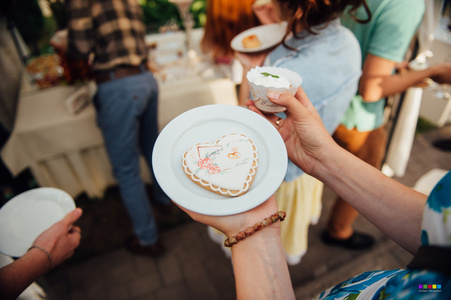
x,y
263,80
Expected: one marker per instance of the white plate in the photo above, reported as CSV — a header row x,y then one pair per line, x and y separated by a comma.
x,y
26,216
207,124
269,35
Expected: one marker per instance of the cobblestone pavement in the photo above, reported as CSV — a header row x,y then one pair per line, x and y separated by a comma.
x,y
196,268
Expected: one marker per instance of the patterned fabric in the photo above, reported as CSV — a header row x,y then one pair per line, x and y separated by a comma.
x,y
436,229
116,24
408,284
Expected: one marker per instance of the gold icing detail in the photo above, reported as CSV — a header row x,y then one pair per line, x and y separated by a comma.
x,y
235,154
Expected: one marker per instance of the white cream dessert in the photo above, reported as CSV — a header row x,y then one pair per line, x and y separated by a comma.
x,y
270,80
263,80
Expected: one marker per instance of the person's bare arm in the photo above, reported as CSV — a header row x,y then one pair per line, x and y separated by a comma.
x,y
395,209
60,241
392,207
259,264
244,91
248,61
378,81
18,275
260,267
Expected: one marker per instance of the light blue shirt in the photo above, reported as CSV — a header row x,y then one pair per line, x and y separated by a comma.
x,y
330,66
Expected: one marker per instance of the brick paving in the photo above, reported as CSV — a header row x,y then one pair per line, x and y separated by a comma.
x,y
196,268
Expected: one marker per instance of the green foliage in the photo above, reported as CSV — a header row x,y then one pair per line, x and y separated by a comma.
x,y
199,12
58,12
50,27
424,125
36,30
158,13
28,18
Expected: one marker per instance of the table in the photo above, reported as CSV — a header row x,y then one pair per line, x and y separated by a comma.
x,y
66,150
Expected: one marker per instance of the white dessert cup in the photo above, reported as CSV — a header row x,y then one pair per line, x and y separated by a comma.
x,y
260,92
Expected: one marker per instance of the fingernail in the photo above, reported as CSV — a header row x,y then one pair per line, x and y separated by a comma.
x,y
273,95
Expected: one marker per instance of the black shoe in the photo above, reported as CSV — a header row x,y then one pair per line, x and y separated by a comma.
x,y
357,241
155,250
444,145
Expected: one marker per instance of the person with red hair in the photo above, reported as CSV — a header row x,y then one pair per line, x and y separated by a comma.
x,y
226,19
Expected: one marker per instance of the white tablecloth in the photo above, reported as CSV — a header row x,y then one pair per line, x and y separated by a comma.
x,y
66,150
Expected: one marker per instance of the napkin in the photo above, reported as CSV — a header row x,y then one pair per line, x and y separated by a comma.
x,y
76,102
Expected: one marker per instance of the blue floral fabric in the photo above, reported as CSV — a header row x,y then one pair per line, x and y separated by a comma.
x,y
408,284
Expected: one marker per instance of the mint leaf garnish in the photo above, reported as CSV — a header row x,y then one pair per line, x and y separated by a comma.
x,y
267,74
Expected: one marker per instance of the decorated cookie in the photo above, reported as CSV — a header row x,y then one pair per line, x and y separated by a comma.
x,y
226,167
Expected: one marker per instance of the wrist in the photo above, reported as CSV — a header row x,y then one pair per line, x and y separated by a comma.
x,y
269,235
270,221
260,266
327,161
41,252
324,157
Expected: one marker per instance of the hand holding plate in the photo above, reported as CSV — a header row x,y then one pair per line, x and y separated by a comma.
x,y
232,224
61,239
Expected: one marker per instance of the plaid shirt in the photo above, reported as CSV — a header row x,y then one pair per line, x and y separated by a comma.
x,y
112,29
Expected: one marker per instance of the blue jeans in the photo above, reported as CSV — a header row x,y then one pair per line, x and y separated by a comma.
x,y
127,116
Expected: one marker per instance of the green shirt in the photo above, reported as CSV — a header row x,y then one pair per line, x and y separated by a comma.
x,y
387,35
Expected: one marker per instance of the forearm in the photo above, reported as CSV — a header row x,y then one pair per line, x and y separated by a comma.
x,y
260,268
392,207
17,276
243,93
376,87
248,61
378,80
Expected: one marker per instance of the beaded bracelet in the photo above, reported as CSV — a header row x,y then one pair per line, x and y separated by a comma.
x,y
46,252
280,215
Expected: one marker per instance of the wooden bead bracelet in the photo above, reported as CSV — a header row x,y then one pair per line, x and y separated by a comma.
x,y
46,252
280,215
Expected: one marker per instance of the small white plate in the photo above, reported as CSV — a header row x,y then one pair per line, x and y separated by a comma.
x,y
26,216
207,124
269,35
